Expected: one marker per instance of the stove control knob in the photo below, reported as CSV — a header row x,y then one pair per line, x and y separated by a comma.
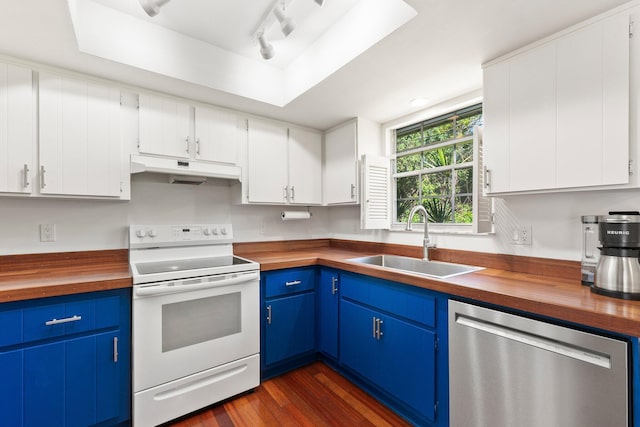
x,y
214,230
152,233
141,233
223,230
206,231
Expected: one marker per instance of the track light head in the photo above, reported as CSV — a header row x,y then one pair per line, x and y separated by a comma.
x,y
319,2
266,48
287,25
152,7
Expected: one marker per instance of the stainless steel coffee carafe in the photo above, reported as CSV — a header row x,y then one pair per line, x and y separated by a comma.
x,y
618,270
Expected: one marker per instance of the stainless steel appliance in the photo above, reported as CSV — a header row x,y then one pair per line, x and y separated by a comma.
x,y
618,270
196,328
507,370
590,253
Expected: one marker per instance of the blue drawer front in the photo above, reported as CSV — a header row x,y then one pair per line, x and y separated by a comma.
x,y
35,319
401,300
288,281
11,321
84,315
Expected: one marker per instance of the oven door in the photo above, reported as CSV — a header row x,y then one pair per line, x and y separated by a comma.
x,y
187,326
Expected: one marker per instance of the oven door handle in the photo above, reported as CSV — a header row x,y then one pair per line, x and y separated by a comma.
x,y
172,288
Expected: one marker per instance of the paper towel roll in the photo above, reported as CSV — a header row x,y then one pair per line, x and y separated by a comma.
x,y
287,215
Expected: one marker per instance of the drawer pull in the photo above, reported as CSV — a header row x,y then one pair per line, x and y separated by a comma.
x,y
293,283
65,320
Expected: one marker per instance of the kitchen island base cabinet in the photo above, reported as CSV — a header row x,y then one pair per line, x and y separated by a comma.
x,y
79,377
288,320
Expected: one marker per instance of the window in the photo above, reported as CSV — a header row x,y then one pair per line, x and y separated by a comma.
x,y
434,166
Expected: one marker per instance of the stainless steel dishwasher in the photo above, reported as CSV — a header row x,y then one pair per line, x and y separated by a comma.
x,y
507,370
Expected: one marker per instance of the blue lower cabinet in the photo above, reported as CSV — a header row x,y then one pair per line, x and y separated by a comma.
x,y
397,356
78,379
290,327
288,319
328,291
388,344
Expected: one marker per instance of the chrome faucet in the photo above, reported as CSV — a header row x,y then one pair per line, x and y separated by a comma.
x,y
426,243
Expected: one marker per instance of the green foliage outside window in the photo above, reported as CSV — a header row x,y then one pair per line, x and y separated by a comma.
x,y
434,167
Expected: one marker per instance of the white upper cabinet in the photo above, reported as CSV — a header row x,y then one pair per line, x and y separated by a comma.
x,y
16,129
284,165
557,114
532,113
593,105
343,147
171,128
216,136
164,126
305,167
267,162
80,147
341,165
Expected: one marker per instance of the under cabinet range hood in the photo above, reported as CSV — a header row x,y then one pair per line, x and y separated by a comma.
x,y
183,167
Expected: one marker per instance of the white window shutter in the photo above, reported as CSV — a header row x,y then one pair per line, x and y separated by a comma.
x,y
482,206
376,192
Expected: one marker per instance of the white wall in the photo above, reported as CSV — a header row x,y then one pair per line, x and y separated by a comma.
x,y
554,219
92,225
95,224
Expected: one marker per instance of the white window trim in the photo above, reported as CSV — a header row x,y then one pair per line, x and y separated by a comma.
x,y
390,141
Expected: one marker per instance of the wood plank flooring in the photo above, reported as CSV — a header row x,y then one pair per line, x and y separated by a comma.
x,y
314,395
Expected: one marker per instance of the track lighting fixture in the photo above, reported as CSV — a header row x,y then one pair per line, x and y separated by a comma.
x,y
152,7
266,48
287,25
275,12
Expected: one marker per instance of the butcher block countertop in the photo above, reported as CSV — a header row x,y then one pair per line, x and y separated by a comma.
x,y
544,287
24,277
540,286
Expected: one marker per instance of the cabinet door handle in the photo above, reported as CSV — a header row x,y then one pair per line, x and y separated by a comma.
x,y
334,287
487,178
198,146
379,331
25,176
293,193
115,349
293,283
268,315
51,322
42,172
187,144
353,191
374,327
285,193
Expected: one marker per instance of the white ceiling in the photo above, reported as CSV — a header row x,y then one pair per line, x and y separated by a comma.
x,y
436,55
231,62
230,24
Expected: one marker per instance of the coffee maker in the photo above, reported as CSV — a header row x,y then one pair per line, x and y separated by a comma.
x,y
618,269
590,252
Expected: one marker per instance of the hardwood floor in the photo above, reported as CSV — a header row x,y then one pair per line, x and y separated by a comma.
x,y
314,395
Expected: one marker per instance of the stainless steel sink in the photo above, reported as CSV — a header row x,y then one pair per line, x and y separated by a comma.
x,y
441,270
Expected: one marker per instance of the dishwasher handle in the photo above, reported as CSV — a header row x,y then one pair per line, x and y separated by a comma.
x,y
188,285
537,341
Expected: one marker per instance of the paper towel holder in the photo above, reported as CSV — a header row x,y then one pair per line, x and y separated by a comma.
x,y
291,215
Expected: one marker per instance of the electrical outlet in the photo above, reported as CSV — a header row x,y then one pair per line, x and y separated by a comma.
x,y
47,232
521,235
